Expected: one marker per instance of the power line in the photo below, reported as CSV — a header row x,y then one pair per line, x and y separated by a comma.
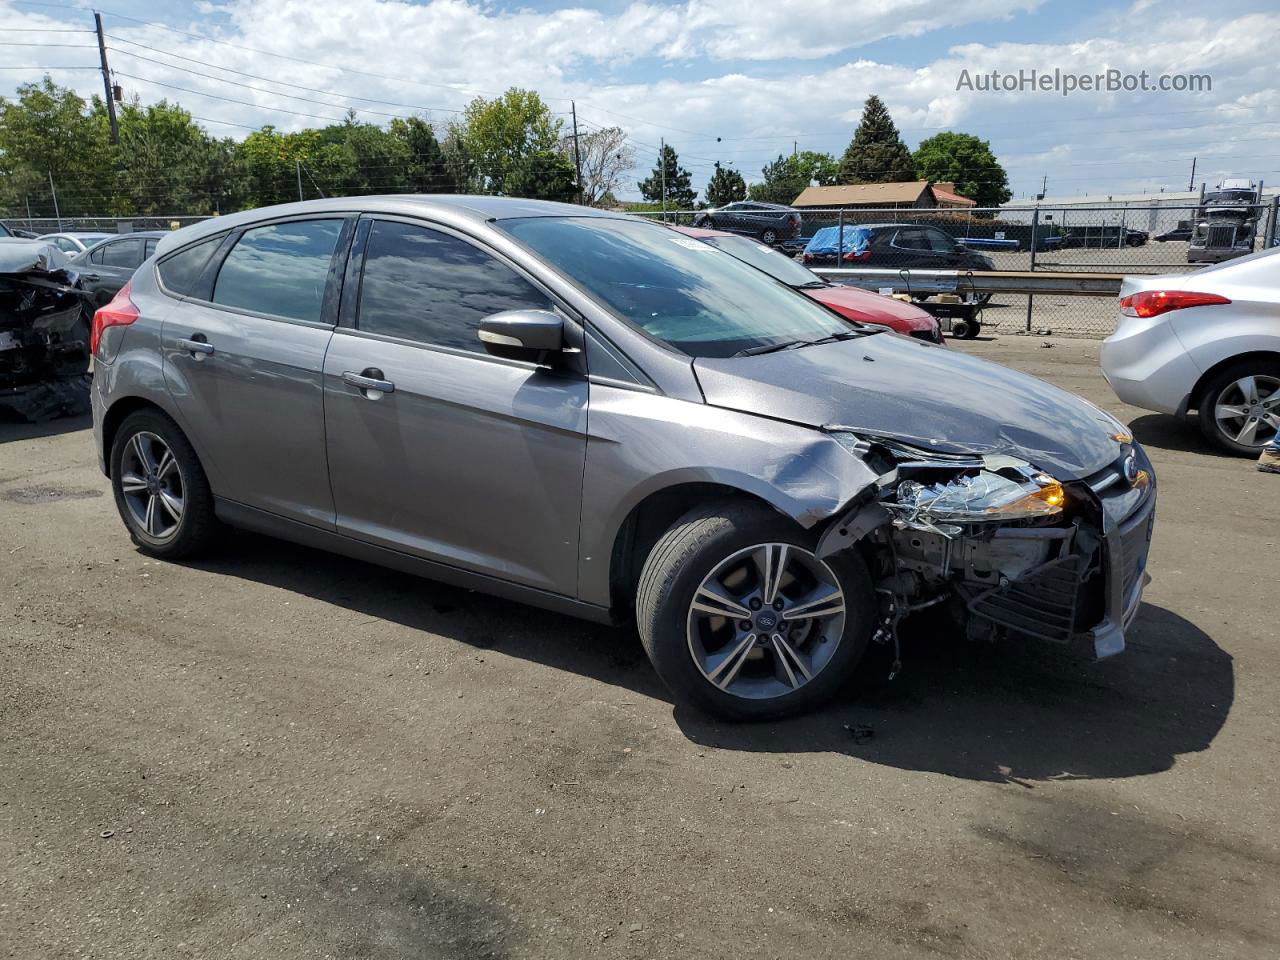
x,y
214,96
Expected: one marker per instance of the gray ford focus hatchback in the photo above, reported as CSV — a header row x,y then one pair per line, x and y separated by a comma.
x,y
588,412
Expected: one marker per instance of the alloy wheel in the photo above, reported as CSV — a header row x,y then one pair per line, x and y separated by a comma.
x,y
766,621
151,481
1247,410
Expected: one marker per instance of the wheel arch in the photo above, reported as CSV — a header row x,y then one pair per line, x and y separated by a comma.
x,y
1193,399
120,410
650,518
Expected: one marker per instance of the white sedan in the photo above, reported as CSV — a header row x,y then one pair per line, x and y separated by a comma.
x,y
1207,341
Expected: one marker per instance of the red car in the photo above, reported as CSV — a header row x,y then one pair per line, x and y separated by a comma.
x,y
852,302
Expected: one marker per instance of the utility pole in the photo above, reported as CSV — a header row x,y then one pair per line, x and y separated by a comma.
x,y
56,214
662,170
297,166
106,79
1191,184
577,160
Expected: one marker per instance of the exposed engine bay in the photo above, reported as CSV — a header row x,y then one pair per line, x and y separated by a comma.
x,y
1006,548
44,334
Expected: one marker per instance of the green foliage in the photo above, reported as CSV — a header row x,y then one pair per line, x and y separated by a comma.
x,y
783,182
725,186
680,194
966,161
496,135
876,154
544,175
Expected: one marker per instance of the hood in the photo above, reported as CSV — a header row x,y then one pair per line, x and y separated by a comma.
x,y
871,307
932,398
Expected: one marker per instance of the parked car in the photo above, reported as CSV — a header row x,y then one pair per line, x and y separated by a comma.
x,y
584,411
772,222
107,266
77,242
852,302
1181,232
894,245
1207,341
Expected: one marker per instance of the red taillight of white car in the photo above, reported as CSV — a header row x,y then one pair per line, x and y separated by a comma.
x,y
1152,303
120,312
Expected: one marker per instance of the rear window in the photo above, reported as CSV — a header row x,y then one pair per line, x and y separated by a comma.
x,y
280,269
180,271
122,253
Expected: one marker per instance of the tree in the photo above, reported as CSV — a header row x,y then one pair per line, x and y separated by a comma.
x,y
173,165
679,194
819,168
426,170
605,158
783,182
725,186
876,154
544,175
966,161
497,134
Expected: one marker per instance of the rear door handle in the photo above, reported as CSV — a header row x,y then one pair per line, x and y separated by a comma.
x,y
196,346
369,380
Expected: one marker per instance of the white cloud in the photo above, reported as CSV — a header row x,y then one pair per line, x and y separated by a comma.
x,y
440,54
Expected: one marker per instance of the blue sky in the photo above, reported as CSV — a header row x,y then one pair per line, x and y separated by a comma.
x,y
758,77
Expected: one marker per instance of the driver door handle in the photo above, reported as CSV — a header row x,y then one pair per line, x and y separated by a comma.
x,y
368,380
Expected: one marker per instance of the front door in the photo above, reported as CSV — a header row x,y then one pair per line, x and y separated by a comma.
x,y
435,447
243,361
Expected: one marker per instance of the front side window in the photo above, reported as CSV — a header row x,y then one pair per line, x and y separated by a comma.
x,y
912,240
122,253
423,285
280,269
676,289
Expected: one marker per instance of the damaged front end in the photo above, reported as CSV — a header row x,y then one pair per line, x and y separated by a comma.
x,y
1007,548
44,334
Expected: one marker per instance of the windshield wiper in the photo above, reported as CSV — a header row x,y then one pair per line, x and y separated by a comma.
x,y
771,347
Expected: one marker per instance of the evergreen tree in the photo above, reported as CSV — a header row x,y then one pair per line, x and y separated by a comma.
x,y
876,154
426,169
725,186
680,195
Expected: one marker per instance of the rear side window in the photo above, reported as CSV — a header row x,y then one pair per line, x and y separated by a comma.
x,y
180,271
122,253
424,285
151,247
280,269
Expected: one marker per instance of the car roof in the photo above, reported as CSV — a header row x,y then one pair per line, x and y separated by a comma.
x,y
478,209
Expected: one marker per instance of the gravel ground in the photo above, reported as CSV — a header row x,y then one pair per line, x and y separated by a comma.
x,y
276,753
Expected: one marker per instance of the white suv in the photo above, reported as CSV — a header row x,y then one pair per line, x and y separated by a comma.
x,y
1207,341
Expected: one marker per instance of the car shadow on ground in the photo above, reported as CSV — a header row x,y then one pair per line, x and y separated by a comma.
x,y
1178,434
1001,712
11,430
1016,712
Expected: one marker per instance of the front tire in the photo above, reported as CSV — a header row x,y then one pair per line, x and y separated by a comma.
x,y
160,487
1239,407
742,619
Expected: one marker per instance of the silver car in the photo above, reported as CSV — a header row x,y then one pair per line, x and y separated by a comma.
x,y
1207,341
589,413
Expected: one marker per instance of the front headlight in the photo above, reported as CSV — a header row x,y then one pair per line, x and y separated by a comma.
x,y
982,496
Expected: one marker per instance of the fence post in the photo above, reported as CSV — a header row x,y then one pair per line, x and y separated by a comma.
x,y
1272,216
840,239
1035,229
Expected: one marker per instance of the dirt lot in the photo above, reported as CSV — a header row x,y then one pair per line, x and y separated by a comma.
x,y
278,753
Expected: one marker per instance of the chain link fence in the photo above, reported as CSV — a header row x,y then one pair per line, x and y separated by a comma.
x,y
1106,239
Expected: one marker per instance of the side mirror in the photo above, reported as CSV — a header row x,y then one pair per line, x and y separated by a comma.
x,y
961,248
522,334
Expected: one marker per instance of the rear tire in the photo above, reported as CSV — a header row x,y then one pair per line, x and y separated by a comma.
x,y
160,487
1225,390
770,237
965,329
811,654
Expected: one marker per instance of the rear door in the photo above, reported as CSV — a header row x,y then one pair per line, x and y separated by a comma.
x,y
244,356
453,455
111,265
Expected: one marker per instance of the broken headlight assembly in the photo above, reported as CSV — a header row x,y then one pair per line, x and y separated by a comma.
x,y
1007,493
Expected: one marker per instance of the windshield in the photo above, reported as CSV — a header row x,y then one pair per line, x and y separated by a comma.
x,y
677,289
775,264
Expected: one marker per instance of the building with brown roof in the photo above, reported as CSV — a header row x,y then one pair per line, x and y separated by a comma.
x,y
916,193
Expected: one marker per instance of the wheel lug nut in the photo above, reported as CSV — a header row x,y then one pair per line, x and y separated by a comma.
x,y
745,624
777,604
755,603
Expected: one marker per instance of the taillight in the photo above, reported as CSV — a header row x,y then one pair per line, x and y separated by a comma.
x,y
120,312
851,256
808,258
1152,303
